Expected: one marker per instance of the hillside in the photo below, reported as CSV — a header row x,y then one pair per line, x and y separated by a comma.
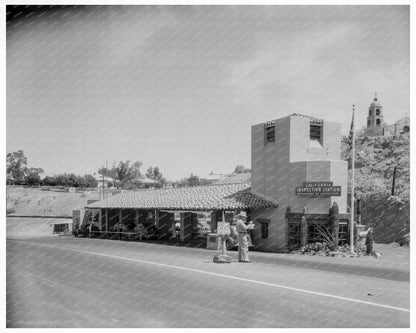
x,y
375,161
36,202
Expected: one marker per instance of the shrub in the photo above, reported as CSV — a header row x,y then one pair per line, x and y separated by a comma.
x,y
10,211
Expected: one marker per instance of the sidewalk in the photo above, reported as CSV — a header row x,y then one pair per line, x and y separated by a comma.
x,y
394,264
367,266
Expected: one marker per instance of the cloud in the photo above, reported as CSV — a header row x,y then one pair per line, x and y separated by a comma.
x,y
131,32
298,62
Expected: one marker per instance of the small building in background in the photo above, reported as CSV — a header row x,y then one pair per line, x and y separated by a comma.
x,y
376,125
401,126
212,178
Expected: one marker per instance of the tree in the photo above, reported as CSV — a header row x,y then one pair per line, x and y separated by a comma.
x,y
109,172
49,181
123,174
156,175
241,169
16,165
149,172
134,170
73,180
104,172
81,182
70,180
192,180
33,179
63,180
91,181
32,176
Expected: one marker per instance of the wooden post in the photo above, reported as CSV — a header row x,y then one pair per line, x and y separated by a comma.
x,y
335,225
369,241
182,230
222,235
214,221
100,218
156,217
106,221
120,220
287,228
359,209
303,232
393,186
356,236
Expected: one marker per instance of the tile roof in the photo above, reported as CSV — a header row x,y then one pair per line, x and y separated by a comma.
x,y
209,197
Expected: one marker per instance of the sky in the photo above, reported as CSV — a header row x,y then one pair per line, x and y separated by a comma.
x,y
179,87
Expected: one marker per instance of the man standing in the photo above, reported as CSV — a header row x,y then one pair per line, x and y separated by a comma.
x,y
140,230
369,241
119,228
242,229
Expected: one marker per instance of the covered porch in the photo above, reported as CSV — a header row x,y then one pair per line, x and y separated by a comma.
x,y
185,214
181,225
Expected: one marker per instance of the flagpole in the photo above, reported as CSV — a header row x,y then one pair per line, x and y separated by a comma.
x,y
352,183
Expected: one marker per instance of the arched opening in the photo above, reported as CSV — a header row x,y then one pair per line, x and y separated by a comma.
x,y
406,129
377,112
378,122
368,123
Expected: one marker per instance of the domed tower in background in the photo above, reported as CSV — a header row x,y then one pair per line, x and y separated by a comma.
x,y
375,118
376,125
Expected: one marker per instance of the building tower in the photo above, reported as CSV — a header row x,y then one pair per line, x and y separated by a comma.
x,y
296,161
375,115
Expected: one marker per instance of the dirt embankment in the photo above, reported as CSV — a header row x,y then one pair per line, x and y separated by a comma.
x,y
23,201
20,227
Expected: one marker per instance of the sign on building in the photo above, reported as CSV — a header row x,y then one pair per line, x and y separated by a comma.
x,y
223,228
319,189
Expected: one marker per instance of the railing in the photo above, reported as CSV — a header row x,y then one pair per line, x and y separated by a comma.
x,y
121,235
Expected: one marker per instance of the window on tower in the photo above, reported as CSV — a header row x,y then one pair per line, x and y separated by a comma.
x,y
377,112
270,134
316,133
378,122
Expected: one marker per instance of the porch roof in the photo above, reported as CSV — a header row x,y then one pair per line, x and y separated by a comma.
x,y
198,198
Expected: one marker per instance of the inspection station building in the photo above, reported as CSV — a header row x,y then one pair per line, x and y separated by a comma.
x,y
296,170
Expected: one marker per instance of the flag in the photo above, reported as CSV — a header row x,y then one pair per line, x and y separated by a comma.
x,y
351,135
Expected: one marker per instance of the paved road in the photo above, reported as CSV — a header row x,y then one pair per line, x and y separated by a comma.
x,y
67,282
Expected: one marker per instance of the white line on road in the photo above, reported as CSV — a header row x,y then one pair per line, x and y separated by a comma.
x,y
226,276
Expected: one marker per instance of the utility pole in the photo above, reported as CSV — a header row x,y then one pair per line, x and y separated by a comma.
x,y
352,183
393,186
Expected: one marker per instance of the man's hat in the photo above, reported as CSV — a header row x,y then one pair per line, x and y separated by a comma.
x,y
242,214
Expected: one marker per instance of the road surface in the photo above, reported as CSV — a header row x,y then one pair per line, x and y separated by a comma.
x,y
73,283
